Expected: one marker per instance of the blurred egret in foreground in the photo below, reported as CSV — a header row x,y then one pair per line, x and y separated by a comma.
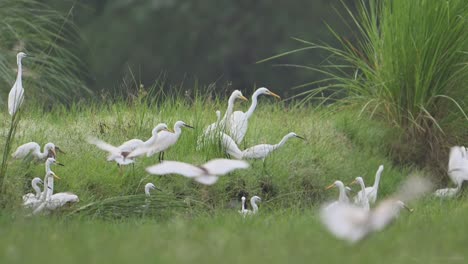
x,y
253,203
363,202
371,192
205,174
16,95
457,171
239,121
30,199
353,223
32,148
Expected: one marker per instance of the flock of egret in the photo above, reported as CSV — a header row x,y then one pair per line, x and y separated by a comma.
x,y
347,220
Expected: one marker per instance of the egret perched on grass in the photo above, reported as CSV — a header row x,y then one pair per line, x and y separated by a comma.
x,y
32,148
30,199
342,196
253,202
363,202
457,171
205,174
166,139
239,121
371,191
243,210
264,150
49,162
16,95
352,223
221,124
121,154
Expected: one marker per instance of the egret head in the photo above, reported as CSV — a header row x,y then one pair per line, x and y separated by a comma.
x,y
338,184
292,134
150,186
21,55
264,90
50,149
255,199
237,95
160,127
402,205
358,180
243,199
36,181
180,124
51,161
52,174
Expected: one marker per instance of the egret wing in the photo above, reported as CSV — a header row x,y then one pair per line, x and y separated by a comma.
x,y
169,167
103,145
223,166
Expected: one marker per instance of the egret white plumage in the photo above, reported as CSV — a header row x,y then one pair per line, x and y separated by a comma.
x,y
33,148
264,150
137,147
363,202
457,171
16,95
150,186
166,139
220,125
371,192
343,193
30,199
243,210
253,203
352,223
207,173
229,146
239,121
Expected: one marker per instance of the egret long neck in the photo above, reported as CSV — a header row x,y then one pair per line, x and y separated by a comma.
x,y
229,109
252,107
44,193
50,188
342,195
37,190
20,72
377,180
283,140
43,155
363,190
254,206
243,205
147,191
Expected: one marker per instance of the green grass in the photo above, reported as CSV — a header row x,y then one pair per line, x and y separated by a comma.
x,y
193,223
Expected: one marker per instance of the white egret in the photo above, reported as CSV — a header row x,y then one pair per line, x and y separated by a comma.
x,y
343,193
209,132
371,191
150,186
352,223
205,174
363,202
30,199
229,146
253,203
32,148
49,162
121,154
221,124
457,171
239,121
263,150
166,139
16,95
243,210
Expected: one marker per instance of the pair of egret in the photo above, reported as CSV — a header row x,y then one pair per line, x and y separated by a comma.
x,y
457,171
47,200
206,174
253,203
161,139
16,95
34,149
352,223
365,197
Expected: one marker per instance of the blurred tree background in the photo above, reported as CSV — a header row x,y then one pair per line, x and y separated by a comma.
x,y
206,41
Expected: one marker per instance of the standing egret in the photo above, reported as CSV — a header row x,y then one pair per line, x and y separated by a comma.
x,y
371,192
16,95
166,139
239,121
220,126
49,162
121,154
342,196
205,174
263,150
243,210
32,148
352,223
209,131
457,171
363,202
30,199
229,146
253,203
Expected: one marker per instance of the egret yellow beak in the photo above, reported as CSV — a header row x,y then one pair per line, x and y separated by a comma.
x,y
56,177
330,186
243,98
53,152
409,209
275,95
353,182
